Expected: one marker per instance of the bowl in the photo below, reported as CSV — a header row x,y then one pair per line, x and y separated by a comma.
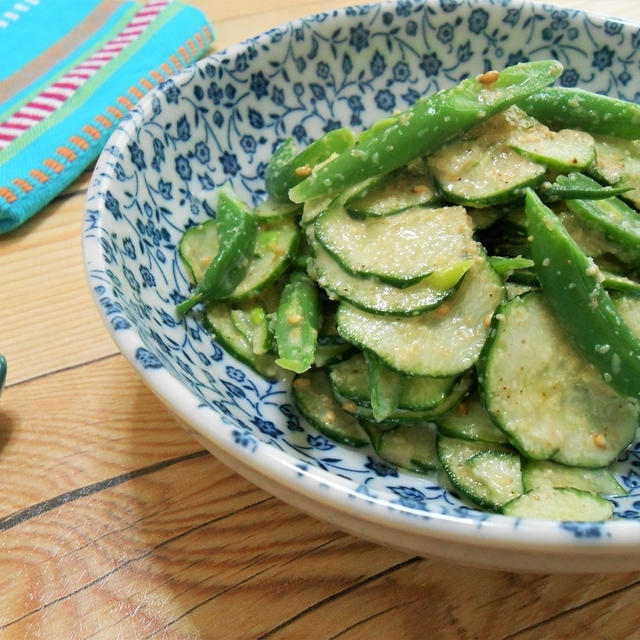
x,y
218,121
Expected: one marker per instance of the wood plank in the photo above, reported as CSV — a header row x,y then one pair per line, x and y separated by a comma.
x,y
81,426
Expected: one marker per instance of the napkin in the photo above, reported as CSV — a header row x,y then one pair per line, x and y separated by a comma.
x,y
70,72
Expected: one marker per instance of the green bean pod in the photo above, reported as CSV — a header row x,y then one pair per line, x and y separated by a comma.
x,y
237,229
386,386
577,186
425,127
287,169
562,107
572,286
297,322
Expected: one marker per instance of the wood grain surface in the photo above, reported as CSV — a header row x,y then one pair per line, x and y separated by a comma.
x,y
115,524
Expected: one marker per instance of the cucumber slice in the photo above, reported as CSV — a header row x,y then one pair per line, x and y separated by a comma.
x,y
618,162
560,504
400,249
486,473
552,404
410,187
217,320
481,168
274,248
271,210
315,401
564,150
544,475
350,379
470,421
370,294
328,353
408,446
443,342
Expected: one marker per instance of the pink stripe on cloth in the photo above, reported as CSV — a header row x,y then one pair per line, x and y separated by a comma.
x,y
57,93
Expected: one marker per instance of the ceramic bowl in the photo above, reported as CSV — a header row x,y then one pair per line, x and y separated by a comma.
x,y
218,121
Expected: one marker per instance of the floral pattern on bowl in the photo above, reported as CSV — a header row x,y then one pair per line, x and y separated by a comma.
x,y
219,121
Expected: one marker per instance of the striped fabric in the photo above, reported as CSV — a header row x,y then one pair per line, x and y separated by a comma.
x,y
76,71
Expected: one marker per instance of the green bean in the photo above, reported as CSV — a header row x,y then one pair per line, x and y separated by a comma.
x,y
425,127
577,186
386,386
277,167
285,170
237,229
561,107
572,286
297,322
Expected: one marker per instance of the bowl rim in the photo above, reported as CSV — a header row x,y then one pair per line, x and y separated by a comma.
x,y
492,531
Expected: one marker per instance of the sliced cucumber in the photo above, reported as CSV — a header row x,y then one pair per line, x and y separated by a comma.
x,y
486,473
545,396
543,475
370,294
618,162
564,150
217,320
274,248
409,446
470,421
315,401
443,342
560,504
399,249
271,210
482,169
410,187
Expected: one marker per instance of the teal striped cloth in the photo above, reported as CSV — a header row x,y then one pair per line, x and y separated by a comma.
x,y
70,72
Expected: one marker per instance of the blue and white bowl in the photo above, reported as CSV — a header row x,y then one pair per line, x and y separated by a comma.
x,y
219,121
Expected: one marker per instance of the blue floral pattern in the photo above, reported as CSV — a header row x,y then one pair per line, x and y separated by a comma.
x,y
219,121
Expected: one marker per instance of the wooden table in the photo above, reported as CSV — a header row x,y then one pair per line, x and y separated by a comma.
x,y
115,524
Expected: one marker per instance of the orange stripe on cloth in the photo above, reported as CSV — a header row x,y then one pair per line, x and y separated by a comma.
x,y
125,102
199,40
166,68
7,194
103,121
135,92
158,77
81,143
192,47
22,184
208,36
91,131
66,153
183,53
115,112
40,176
145,84
173,59
52,164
